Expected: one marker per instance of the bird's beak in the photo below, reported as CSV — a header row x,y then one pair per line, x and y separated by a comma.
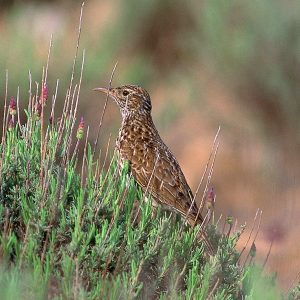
x,y
109,92
102,90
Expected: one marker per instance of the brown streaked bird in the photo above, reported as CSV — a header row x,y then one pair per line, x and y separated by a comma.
x,y
152,164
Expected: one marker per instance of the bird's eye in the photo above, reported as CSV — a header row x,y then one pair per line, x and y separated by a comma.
x,y
125,93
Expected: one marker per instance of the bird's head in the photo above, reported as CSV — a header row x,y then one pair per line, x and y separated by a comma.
x,y
131,99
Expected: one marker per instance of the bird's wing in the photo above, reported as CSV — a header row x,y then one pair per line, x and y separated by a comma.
x,y
161,176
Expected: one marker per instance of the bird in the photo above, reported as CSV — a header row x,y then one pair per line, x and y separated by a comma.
x,y
151,162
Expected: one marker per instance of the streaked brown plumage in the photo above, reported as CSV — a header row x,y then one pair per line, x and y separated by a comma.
x,y
152,164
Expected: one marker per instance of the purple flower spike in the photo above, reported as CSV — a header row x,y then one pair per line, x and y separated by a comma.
x,y
44,94
80,129
12,106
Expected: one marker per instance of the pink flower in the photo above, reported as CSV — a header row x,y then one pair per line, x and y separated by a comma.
x,y
38,110
12,106
210,199
275,232
44,94
80,129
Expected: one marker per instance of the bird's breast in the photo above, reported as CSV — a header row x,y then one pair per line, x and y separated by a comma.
x,y
134,143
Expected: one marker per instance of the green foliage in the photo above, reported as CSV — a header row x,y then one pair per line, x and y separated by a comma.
x,y
257,288
295,293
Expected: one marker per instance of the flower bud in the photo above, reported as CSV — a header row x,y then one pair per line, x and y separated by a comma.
x,y
252,252
229,220
80,129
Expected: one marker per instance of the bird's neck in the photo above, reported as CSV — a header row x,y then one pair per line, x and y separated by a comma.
x,y
138,120
138,123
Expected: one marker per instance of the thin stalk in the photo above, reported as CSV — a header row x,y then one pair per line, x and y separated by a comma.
x,y
249,237
104,109
18,109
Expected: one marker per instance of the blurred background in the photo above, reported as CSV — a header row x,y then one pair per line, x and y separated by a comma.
x,y
205,63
